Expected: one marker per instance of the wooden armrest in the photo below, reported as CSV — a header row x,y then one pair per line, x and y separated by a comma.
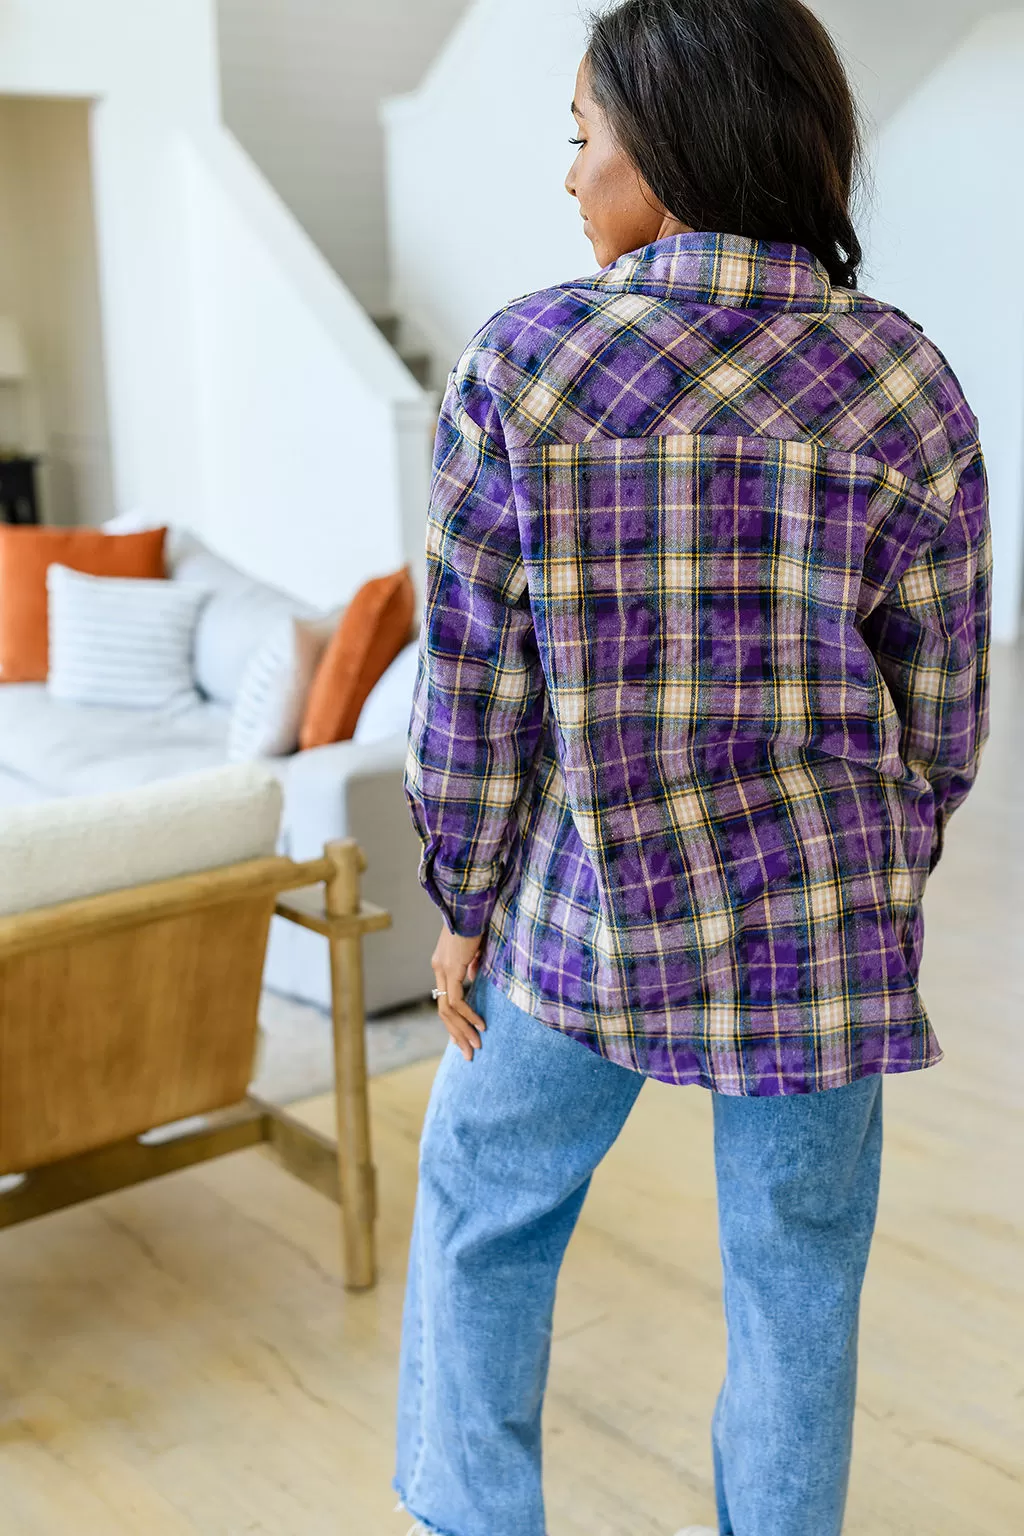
x,y
307,908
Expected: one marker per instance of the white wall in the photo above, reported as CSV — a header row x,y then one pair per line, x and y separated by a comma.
x,y
16,431
151,69
304,415
477,158
302,83
941,206
235,356
893,45
50,283
947,224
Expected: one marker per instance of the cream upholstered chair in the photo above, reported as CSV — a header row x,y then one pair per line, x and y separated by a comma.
x,y
133,929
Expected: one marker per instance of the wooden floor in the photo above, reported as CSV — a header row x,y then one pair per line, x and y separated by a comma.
x,y
180,1358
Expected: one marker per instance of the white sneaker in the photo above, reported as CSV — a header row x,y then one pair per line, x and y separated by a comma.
x,y
696,1530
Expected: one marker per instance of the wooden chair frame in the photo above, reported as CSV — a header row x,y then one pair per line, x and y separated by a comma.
x,y
343,1170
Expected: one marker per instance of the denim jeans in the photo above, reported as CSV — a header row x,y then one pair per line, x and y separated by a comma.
x,y
509,1146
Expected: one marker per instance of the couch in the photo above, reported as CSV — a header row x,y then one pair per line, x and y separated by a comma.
x,y
351,789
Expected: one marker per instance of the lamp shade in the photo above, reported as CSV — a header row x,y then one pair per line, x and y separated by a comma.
x,y
13,362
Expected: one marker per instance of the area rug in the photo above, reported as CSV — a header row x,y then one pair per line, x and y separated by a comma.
x,y
296,1059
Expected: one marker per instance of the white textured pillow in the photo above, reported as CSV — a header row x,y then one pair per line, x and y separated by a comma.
x,y
81,845
272,696
120,641
387,710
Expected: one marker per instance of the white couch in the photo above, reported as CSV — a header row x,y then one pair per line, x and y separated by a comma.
x,y
352,789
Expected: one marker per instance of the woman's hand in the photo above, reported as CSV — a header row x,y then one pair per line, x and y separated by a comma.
x,y
454,963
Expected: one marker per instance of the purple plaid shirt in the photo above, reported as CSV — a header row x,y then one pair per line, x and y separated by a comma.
x,y
703,670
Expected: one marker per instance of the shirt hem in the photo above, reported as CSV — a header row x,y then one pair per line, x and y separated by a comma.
x,y
689,1063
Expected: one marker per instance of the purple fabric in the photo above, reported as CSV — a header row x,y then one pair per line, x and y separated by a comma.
x,y
703,670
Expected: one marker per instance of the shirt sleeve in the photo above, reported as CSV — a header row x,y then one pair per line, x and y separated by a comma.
x,y
930,639
479,704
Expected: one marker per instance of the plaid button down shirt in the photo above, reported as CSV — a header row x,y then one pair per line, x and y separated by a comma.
x,y
703,666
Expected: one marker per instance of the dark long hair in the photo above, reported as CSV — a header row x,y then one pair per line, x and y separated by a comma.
x,y
739,116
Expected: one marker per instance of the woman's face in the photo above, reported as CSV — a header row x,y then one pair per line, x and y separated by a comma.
x,y
619,210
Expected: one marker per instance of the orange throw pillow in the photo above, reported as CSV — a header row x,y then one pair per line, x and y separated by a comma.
x,y
374,627
25,556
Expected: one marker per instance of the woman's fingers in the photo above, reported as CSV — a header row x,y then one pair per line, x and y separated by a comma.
x,y
456,1026
463,1025
456,1000
465,1045
455,962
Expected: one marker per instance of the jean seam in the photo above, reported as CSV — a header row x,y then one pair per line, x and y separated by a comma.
x,y
421,1439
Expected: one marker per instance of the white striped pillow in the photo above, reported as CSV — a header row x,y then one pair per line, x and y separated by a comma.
x,y
272,695
120,641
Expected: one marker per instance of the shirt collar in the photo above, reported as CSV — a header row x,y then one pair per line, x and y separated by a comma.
x,y
724,270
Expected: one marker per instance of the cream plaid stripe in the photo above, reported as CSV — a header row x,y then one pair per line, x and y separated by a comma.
x,y
704,663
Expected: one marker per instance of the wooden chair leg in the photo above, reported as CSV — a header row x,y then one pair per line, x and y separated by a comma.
x,y
356,1174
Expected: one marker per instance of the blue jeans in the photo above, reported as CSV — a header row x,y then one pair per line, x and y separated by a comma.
x,y
509,1146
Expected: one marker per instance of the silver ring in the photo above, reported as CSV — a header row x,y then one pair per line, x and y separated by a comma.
x,y
436,994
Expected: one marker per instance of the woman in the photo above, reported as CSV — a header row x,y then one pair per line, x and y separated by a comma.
x,y
703,676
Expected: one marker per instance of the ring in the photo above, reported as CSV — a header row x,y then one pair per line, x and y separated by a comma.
x,y
436,994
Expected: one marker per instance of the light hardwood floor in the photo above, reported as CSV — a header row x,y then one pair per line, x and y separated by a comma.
x,y
180,1358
